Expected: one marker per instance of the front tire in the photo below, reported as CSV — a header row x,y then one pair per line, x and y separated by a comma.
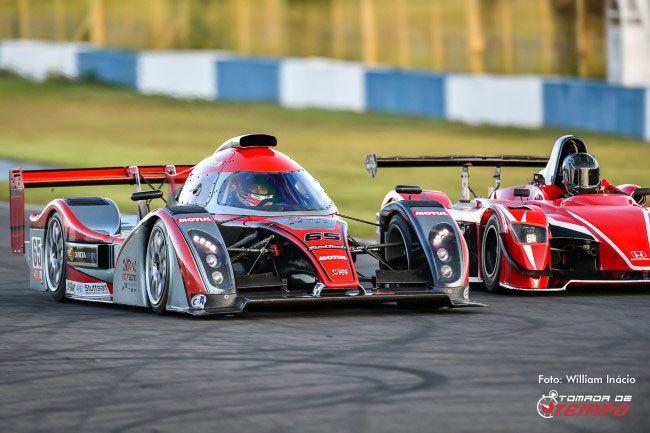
x,y
55,260
157,269
491,254
398,231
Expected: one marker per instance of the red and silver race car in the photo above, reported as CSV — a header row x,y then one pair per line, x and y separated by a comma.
x,y
566,227
245,225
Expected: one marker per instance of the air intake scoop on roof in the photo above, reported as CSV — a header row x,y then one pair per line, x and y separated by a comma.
x,y
250,140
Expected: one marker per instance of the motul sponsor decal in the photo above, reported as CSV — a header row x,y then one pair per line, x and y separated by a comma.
x,y
324,258
201,219
430,213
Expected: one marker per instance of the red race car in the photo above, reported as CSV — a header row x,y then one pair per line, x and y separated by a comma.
x,y
245,225
566,227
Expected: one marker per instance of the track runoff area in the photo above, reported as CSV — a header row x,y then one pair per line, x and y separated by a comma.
x,y
93,367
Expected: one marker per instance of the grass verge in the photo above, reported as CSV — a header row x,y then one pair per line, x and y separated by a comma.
x,y
85,125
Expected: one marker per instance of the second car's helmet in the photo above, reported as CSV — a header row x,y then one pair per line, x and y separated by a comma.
x,y
581,174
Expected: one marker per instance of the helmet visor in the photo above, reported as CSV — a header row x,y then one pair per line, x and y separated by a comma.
x,y
584,177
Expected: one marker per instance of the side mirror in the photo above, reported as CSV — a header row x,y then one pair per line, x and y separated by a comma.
x,y
143,198
408,189
640,195
146,195
538,179
522,192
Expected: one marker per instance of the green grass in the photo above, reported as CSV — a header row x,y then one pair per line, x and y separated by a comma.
x,y
85,125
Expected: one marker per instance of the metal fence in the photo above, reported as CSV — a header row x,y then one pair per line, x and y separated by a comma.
x,y
497,36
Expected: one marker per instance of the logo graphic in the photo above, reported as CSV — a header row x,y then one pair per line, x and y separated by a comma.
x,y
339,271
429,213
198,301
323,258
546,404
203,219
639,255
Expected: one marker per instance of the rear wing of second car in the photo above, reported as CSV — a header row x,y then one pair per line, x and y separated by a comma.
x,y
373,162
19,180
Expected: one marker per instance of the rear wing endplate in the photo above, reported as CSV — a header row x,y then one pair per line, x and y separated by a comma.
x,y
19,180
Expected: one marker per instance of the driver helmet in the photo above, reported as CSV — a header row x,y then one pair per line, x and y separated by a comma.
x,y
581,174
255,190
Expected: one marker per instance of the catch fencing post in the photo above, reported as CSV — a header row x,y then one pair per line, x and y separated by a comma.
x,y
546,35
505,12
336,26
97,23
369,32
437,42
403,45
475,42
581,38
59,18
242,20
24,25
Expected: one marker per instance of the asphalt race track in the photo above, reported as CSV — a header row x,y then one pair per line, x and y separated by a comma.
x,y
81,367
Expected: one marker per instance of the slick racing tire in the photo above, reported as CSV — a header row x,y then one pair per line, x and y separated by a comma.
x,y
491,254
398,231
157,268
55,260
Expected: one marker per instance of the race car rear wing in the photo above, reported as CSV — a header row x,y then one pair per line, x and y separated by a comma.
x,y
373,162
19,179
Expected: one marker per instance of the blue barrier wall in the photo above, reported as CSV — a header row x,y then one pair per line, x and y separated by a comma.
x,y
595,106
407,92
115,67
252,79
571,104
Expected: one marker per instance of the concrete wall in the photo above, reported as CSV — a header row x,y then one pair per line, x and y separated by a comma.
x,y
38,60
504,101
183,74
322,83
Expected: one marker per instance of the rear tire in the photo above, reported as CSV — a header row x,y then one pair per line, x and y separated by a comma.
x,y
491,254
55,260
157,269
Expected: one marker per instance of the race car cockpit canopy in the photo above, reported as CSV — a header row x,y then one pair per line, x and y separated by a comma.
x,y
293,191
563,147
246,176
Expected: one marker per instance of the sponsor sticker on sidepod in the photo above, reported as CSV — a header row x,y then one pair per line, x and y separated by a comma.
x,y
430,213
323,258
201,219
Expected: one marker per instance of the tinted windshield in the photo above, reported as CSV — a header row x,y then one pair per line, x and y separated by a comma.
x,y
272,192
